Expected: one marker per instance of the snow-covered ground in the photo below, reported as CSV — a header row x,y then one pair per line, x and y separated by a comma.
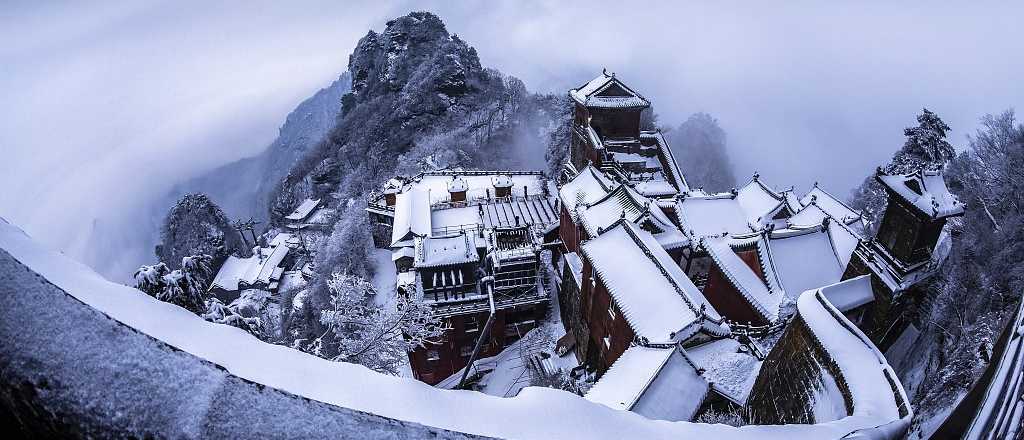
x,y
533,413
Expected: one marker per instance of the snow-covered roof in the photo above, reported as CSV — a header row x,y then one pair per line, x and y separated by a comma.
x,y
830,204
625,202
444,251
805,259
657,187
712,216
259,269
730,372
657,299
412,215
587,187
658,383
502,181
757,199
926,191
741,276
850,294
674,173
479,183
606,91
534,211
303,210
458,184
403,252
876,413
496,213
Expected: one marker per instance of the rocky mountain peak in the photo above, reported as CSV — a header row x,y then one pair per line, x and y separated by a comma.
x,y
413,50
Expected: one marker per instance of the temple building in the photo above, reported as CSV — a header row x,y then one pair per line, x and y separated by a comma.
x,y
468,243
909,247
660,276
672,298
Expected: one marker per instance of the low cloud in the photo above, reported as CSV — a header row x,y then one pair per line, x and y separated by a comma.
x,y
107,106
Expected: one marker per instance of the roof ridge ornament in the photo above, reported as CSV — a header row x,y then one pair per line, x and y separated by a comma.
x,y
756,175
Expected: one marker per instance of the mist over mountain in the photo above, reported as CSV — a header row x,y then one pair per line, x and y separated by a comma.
x,y
241,187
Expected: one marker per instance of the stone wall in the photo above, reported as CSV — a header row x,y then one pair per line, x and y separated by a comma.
x,y
67,370
791,377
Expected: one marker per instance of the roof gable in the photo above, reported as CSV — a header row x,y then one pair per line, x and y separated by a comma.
x,y
757,199
655,296
830,204
705,216
623,202
609,92
585,188
741,276
924,190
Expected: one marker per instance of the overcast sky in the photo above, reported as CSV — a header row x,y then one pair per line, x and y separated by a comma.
x,y
106,105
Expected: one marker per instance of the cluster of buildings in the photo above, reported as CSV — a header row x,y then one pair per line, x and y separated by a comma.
x,y
671,297
280,262
468,243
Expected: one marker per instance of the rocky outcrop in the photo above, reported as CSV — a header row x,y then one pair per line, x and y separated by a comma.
x,y
197,226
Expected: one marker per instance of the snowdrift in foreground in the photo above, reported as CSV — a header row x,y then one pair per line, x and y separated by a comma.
x,y
535,413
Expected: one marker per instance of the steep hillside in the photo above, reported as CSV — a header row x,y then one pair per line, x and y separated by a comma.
x,y
242,187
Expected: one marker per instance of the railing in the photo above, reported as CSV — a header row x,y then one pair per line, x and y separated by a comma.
x,y
471,228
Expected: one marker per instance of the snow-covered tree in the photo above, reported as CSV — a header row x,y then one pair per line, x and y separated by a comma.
x,y
926,147
150,279
185,287
360,332
230,314
979,287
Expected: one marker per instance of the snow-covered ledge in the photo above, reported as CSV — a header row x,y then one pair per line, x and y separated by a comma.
x,y
534,413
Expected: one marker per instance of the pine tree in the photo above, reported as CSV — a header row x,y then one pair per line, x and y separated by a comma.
x,y
230,314
926,147
185,287
150,279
